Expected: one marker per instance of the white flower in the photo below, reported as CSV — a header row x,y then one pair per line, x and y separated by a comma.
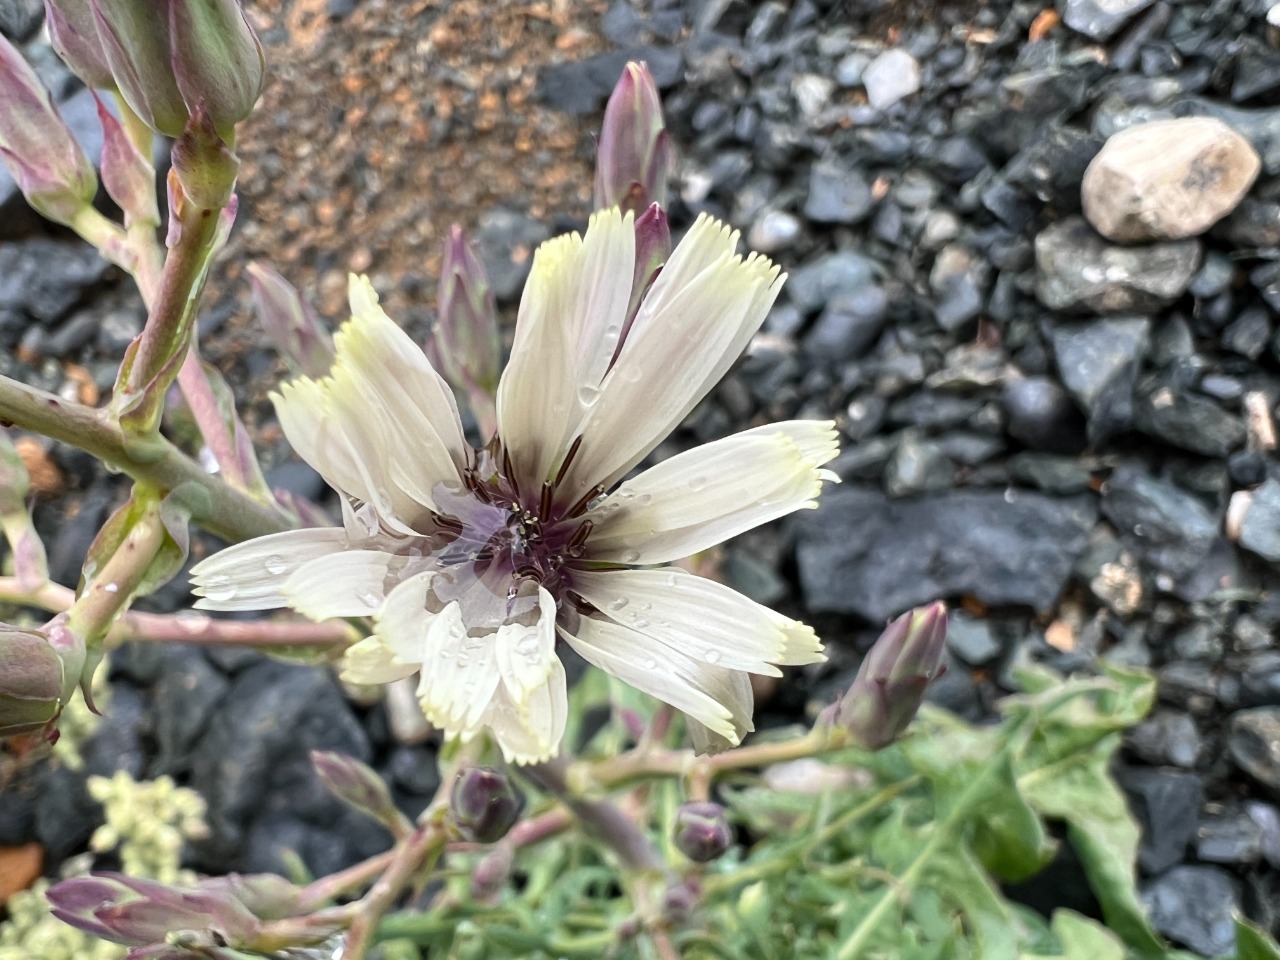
x,y
471,563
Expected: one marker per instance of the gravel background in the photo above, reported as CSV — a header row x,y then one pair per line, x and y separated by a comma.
x,y
1069,439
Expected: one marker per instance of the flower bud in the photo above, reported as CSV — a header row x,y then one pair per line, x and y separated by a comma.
x,y
358,786
702,831
890,685
465,346
75,38
485,804
143,913
634,160
30,681
37,146
170,57
290,323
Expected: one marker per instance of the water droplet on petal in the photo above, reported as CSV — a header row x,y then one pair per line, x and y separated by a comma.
x,y
711,656
275,565
649,663
631,556
697,483
587,394
528,646
618,604
639,623
369,598
644,499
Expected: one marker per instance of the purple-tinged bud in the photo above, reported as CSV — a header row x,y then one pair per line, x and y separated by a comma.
x,y
635,157
289,322
485,804
129,177
653,247
75,38
265,895
171,57
143,913
30,681
37,146
465,345
358,786
890,685
702,831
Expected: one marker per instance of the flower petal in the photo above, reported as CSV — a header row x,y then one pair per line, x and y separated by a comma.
x,y
705,619
404,620
525,651
570,320
656,669
381,405
696,320
353,583
369,661
736,689
531,732
706,495
459,674
251,575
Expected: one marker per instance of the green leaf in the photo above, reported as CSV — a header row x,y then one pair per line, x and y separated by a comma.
x,y
1085,939
1254,943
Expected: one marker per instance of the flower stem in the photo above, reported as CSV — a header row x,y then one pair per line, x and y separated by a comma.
x,y
188,628
409,858
223,511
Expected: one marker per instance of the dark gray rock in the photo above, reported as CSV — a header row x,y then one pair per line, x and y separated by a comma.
x,y
1260,529
254,755
1041,415
1166,737
831,275
1164,525
1049,472
1167,805
1076,270
959,281
583,86
849,326
20,19
1186,420
917,466
44,278
186,693
1100,19
1193,906
503,240
1233,838
862,552
837,194
1092,356
1253,740
972,640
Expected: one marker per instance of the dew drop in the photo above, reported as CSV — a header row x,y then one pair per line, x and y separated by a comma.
x,y
711,656
221,592
639,623
587,394
618,604
275,565
369,598
631,556
697,483
644,499
112,588
649,663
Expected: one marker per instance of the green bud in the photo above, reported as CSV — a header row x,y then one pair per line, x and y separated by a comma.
x,y
702,831
170,57
355,784
30,681
485,804
37,146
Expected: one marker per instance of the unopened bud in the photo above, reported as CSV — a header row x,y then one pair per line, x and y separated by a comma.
x,y
30,681
485,804
356,785
170,57
890,685
634,160
702,831
290,323
465,346
143,913
74,36
37,146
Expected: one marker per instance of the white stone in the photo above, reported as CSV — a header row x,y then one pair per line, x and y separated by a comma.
x,y
890,77
1167,179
